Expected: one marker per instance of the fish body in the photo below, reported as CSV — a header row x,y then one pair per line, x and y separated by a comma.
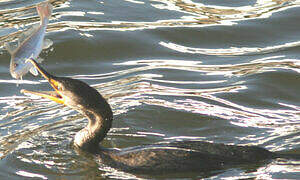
x,y
30,44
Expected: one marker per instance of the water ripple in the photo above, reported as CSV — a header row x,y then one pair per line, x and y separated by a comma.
x,y
246,94
233,51
198,15
252,67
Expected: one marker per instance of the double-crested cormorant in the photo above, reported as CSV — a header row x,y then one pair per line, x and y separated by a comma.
x,y
161,157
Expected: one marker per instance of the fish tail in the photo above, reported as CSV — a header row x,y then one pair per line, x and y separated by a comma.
x,y
44,10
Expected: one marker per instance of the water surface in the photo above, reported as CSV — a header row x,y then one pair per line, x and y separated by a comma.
x,y
219,71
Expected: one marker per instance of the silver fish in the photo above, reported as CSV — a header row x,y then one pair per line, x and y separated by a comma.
x,y
30,44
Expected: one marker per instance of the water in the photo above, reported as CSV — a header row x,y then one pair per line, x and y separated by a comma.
x,y
219,71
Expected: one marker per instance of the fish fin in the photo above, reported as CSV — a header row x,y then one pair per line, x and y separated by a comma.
x,y
34,71
44,10
47,43
10,47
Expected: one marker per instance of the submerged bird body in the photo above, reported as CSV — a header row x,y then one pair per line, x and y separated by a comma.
x,y
30,44
161,157
183,156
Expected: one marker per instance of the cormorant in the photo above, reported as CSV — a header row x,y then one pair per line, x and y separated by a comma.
x,y
176,156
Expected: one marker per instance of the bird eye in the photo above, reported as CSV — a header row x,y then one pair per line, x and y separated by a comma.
x,y
16,65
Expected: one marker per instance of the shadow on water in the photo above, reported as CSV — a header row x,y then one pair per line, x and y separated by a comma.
x,y
171,70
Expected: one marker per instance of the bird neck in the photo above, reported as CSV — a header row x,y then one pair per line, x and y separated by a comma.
x,y
99,123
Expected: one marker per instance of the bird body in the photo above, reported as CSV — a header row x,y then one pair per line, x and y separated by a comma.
x,y
182,156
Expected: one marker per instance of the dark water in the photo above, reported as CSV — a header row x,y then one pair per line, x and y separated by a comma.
x,y
220,71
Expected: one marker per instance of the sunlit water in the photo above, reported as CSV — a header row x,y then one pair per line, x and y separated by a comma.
x,y
219,71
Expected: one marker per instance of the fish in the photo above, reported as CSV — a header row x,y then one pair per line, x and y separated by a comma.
x,y
30,44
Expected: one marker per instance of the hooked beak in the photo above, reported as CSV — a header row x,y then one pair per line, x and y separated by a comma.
x,y
55,95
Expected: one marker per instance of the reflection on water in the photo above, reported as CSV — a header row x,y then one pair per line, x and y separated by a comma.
x,y
253,67
195,14
216,14
233,51
172,85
